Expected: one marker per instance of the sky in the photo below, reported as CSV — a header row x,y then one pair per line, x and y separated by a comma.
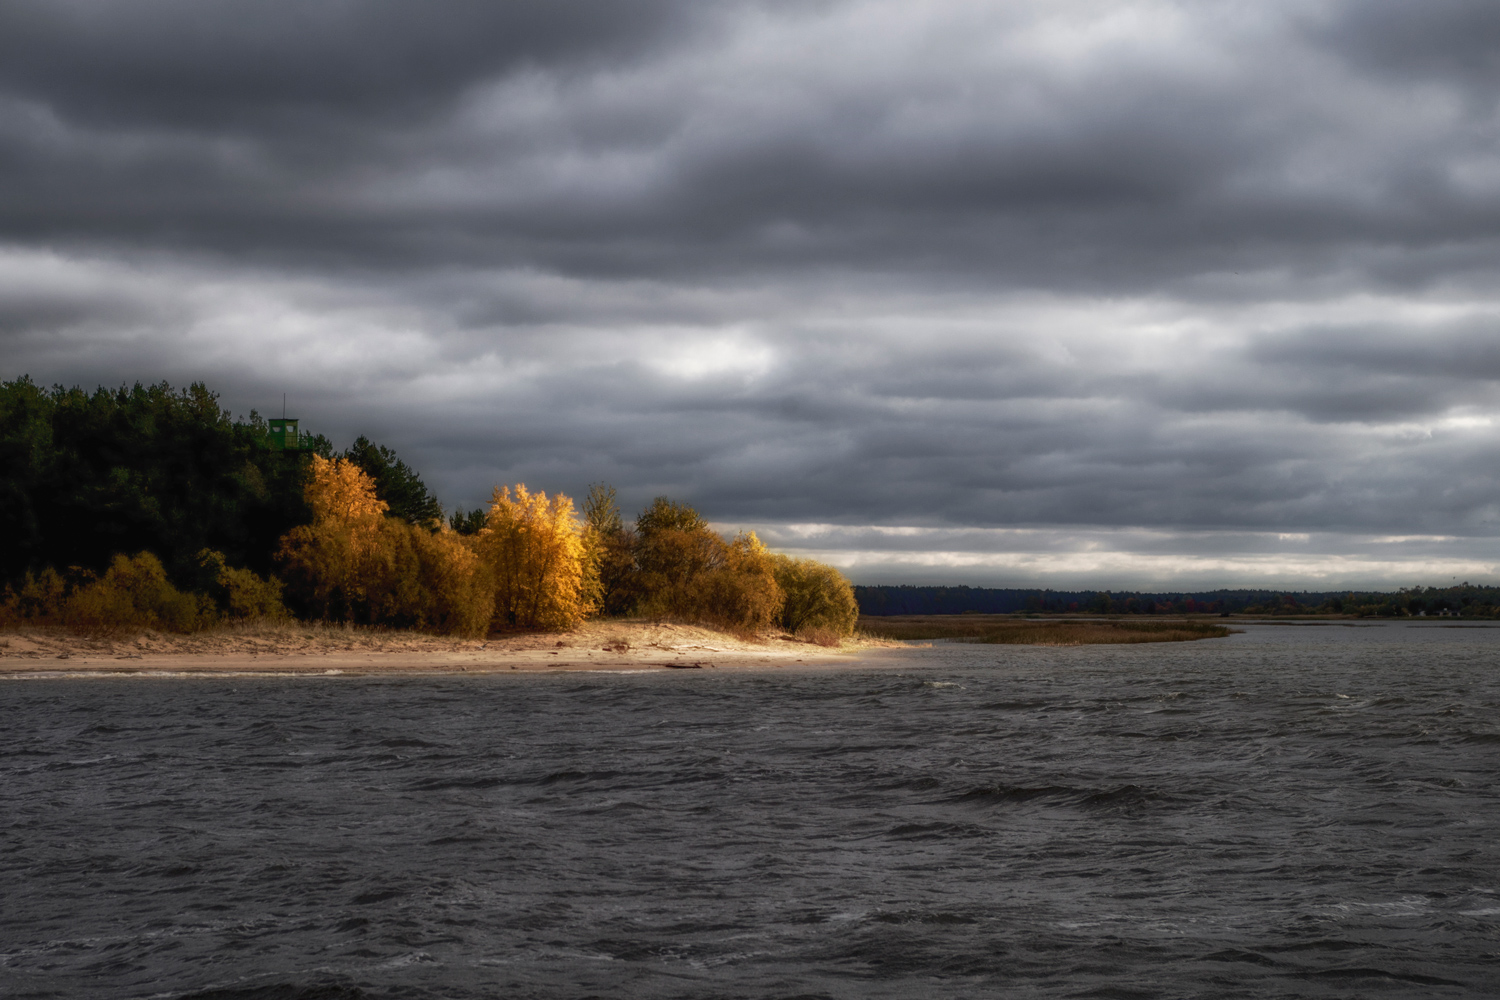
x,y
1137,295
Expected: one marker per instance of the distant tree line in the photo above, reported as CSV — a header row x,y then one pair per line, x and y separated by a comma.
x,y
1462,599
146,506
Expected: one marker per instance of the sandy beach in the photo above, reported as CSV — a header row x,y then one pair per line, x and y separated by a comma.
x,y
302,648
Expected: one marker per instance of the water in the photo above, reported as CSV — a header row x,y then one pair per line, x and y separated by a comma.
x,y
1294,811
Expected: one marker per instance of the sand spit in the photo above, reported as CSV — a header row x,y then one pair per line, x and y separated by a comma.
x,y
300,648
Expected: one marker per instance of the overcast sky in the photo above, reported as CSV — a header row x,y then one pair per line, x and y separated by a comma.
x,y
1007,293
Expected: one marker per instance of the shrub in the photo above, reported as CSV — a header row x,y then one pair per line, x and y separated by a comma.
x,y
417,578
533,550
741,595
135,594
817,597
40,601
239,592
693,575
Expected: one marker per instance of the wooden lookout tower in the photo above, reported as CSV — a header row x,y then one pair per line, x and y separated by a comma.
x,y
284,434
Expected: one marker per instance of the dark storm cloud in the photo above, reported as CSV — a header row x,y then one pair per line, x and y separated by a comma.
x,y
1211,269
1449,42
652,139
234,64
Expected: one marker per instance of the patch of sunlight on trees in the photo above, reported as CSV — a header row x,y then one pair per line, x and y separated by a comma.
x,y
534,552
210,505
353,563
674,566
819,602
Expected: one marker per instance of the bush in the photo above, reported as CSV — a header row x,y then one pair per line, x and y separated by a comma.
x,y
239,592
817,597
134,594
40,601
741,595
423,579
693,575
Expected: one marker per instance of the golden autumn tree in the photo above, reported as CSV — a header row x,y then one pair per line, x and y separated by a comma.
x,y
817,596
534,550
353,563
742,594
323,561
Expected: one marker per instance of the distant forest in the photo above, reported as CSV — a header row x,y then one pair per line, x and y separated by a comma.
x,y
1463,599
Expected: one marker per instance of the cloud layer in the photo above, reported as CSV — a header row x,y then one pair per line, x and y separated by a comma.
x,y
1164,279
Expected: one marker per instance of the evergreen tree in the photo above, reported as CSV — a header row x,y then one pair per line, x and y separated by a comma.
x,y
396,483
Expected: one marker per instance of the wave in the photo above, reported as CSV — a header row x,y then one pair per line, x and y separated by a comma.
x,y
1122,797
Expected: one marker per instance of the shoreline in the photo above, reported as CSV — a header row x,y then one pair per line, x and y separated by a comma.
x,y
287,650
411,665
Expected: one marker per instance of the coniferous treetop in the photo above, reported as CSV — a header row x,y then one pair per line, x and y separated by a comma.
x,y
396,483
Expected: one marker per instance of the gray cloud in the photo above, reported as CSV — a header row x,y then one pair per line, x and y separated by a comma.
x,y
1198,269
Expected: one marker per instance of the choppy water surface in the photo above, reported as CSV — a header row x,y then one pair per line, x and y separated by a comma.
x,y
1294,811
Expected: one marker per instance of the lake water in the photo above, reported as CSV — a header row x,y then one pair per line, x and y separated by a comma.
x,y
1289,812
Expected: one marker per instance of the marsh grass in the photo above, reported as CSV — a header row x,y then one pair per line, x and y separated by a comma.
x,y
1004,630
1101,633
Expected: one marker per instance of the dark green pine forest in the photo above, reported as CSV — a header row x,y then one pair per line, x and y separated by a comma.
x,y
149,468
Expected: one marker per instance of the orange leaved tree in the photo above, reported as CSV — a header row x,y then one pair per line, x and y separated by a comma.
x,y
324,563
534,550
353,563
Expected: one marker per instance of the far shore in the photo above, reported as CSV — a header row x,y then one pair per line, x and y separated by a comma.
x,y
295,648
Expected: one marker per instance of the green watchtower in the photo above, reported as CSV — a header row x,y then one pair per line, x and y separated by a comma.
x,y
283,434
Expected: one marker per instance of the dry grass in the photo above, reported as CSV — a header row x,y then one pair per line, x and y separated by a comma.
x,y
819,635
1003,629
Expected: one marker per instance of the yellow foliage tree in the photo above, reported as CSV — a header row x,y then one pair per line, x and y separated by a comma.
x,y
340,492
534,550
355,564
323,561
817,596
